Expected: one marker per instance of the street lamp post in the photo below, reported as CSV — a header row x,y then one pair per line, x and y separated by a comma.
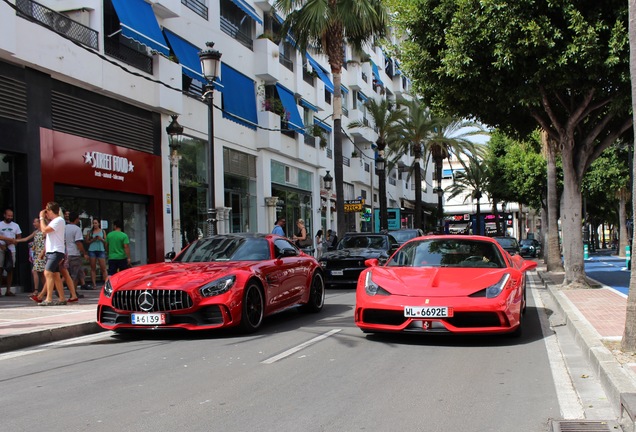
x,y
440,209
175,138
328,182
380,168
210,62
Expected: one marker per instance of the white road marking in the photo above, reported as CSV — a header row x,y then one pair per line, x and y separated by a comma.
x,y
303,345
39,348
569,402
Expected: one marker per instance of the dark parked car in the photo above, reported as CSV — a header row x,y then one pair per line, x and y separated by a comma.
x,y
343,265
510,244
404,235
530,247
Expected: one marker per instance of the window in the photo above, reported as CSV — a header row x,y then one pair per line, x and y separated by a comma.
x,y
197,6
236,23
286,55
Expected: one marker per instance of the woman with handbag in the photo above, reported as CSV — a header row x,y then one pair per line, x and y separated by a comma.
x,y
300,238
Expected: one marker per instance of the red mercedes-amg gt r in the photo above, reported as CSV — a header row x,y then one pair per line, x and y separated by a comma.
x,y
221,281
444,284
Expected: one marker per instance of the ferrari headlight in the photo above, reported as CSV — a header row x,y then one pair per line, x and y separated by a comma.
x,y
494,290
218,286
108,289
373,288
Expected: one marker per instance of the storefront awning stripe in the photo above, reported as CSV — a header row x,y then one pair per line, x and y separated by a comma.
x,y
289,103
322,73
138,22
249,10
240,103
187,54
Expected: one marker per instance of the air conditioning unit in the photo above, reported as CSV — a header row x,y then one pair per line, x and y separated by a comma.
x,y
62,24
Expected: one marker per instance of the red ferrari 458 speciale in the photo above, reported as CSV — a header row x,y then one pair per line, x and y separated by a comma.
x,y
220,281
444,284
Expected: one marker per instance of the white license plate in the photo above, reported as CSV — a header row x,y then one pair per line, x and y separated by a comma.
x,y
148,319
428,312
336,273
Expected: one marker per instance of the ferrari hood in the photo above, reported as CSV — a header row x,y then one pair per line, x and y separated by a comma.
x,y
173,275
435,281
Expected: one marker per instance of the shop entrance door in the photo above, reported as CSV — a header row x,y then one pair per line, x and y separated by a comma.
x,y
107,207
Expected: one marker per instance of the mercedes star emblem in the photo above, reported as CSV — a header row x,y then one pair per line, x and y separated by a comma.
x,y
146,301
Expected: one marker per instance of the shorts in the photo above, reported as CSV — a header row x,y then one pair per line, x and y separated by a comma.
x,y
75,267
53,260
2,259
97,254
115,265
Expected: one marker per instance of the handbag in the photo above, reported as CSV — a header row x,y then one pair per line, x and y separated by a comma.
x,y
305,243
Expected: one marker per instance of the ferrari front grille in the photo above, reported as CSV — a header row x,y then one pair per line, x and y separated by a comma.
x,y
152,300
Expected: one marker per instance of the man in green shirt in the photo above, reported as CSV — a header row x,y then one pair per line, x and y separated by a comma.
x,y
118,249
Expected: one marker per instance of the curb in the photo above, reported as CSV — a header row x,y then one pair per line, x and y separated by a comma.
x,y
614,379
39,337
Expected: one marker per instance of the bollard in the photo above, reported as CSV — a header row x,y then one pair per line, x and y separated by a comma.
x,y
628,257
586,253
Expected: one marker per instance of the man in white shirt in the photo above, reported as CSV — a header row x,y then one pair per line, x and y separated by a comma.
x,y
9,232
54,247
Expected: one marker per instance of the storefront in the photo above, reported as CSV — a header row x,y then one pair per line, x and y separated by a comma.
x,y
106,182
292,186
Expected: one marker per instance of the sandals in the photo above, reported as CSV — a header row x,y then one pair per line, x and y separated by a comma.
x,y
73,300
53,303
35,298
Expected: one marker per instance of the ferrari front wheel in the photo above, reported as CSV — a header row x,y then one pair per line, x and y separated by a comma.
x,y
253,308
316,294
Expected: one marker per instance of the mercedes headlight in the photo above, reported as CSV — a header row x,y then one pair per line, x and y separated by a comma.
x,y
108,288
218,286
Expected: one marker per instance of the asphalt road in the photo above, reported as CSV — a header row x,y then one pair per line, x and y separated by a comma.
x,y
609,270
299,373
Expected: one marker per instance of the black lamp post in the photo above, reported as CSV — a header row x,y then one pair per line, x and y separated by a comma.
x,y
175,138
210,62
380,169
328,180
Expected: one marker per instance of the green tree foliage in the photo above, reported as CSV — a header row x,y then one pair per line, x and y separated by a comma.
x,y
519,64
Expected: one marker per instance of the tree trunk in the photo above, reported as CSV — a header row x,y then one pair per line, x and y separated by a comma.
x,y
622,223
551,249
629,336
418,194
337,155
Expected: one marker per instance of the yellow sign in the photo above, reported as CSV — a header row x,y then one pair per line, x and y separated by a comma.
x,y
352,206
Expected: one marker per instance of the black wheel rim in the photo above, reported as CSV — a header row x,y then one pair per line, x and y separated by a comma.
x,y
254,306
318,291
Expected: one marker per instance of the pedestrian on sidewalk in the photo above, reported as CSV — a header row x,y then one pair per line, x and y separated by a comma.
x,y
278,228
118,249
75,250
96,239
55,251
36,256
9,232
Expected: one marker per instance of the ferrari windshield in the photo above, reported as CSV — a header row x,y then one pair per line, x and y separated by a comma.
x,y
226,248
448,253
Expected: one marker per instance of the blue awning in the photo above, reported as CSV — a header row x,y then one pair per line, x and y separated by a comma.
x,y
362,97
289,103
322,73
239,97
344,89
187,54
376,73
306,104
249,10
322,125
138,22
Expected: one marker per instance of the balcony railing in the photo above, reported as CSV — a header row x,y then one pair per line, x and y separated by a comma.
x,y
346,161
57,22
286,61
117,47
197,6
229,28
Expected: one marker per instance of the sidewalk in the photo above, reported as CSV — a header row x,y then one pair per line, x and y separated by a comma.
x,y
596,318
23,323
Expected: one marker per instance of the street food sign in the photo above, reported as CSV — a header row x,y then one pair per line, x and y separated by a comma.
x,y
352,206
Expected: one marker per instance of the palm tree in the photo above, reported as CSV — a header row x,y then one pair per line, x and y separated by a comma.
x,y
451,137
473,182
327,26
385,124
